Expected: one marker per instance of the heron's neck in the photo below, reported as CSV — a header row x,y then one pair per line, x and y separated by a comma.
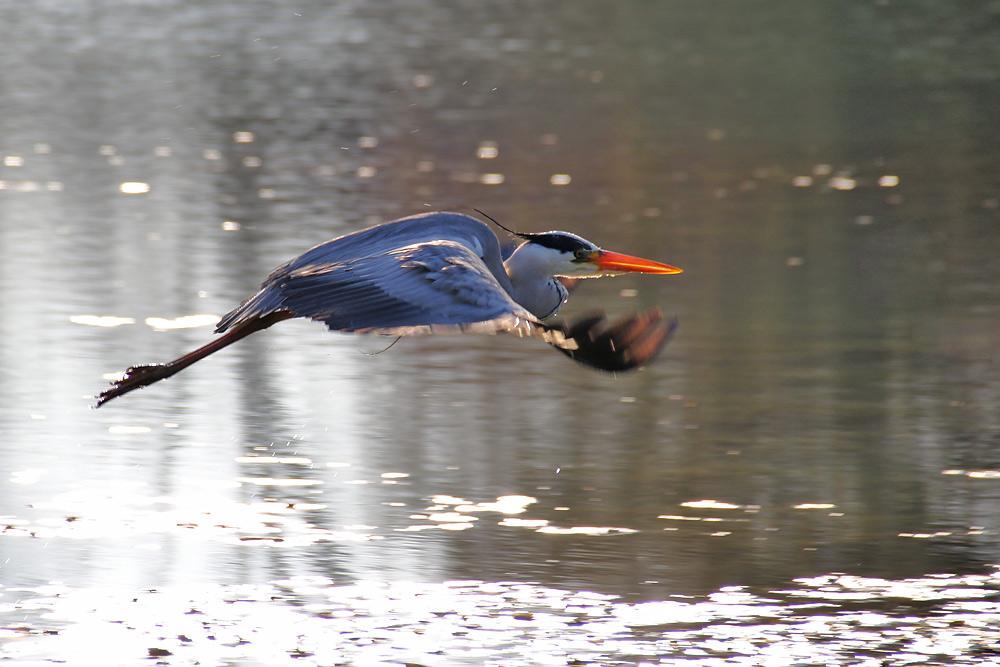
x,y
535,288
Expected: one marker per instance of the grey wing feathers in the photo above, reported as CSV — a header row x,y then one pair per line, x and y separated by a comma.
x,y
416,289
399,284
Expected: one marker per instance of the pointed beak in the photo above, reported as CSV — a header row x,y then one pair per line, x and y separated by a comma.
x,y
614,262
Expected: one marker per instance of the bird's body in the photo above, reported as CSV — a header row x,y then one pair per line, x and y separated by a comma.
x,y
438,273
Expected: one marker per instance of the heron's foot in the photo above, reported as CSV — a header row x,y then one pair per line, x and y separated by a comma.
x,y
135,377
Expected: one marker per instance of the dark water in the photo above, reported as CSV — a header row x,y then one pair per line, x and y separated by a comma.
x,y
826,176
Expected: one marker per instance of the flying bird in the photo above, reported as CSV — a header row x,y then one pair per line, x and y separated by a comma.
x,y
441,273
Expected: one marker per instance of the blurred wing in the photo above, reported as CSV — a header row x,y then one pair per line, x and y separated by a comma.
x,y
440,286
630,342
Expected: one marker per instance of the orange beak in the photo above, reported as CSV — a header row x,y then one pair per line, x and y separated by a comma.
x,y
616,262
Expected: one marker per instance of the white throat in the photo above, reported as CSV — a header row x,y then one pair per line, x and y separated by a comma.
x,y
531,270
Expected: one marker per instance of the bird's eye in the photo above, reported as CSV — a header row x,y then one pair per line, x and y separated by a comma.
x,y
581,255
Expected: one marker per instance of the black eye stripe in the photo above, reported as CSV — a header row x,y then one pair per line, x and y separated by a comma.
x,y
561,242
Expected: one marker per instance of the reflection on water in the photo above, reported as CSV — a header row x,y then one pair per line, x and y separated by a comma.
x,y
826,179
311,620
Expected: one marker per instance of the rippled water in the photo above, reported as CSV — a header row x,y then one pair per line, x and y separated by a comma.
x,y
809,474
306,620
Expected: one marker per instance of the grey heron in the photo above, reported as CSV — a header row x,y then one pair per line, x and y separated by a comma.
x,y
440,273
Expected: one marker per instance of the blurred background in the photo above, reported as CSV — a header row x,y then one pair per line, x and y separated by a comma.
x,y
828,176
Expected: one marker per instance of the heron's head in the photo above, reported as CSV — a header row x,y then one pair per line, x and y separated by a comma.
x,y
571,256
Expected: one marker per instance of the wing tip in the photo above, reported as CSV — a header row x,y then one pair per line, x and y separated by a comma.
x,y
628,343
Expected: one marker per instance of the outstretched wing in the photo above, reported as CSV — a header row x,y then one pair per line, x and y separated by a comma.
x,y
439,286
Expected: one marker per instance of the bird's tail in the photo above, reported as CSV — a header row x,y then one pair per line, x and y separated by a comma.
x,y
137,377
260,306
